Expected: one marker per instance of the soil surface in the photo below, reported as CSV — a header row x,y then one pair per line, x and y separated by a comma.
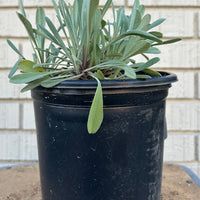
x,y
22,183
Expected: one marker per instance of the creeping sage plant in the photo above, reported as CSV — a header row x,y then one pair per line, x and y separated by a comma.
x,y
88,48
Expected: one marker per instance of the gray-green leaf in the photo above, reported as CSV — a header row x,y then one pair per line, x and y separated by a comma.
x,y
14,48
14,68
28,27
96,111
129,72
31,76
148,64
168,41
156,23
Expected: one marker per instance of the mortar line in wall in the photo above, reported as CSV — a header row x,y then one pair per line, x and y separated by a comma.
x,y
167,7
18,38
183,100
8,8
3,131
8,100
5,69
196,162
19,161
17,131
182,132
26,7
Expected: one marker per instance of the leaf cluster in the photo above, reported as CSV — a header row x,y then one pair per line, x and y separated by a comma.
x,y
91,48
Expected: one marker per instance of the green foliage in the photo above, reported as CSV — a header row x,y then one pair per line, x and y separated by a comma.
x,y
96,111
91,48
28,66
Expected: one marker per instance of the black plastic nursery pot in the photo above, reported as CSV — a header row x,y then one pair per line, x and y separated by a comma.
x,y
123,160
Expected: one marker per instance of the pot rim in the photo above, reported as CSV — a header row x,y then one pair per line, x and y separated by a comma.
x,y
166,79
65,92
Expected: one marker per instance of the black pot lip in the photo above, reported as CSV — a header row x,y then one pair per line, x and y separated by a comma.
x,y
166,79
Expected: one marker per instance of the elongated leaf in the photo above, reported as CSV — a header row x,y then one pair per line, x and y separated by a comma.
x,y
129,72
141,9
22,8
136,4
168,41
133,15
60,19
44,65
148,64
50,83
106,7
44,32
27,66
125,24
140,47
14,69
120,16
35,58
138,33
153,50
145,56
28,27
92,10
137,65
157,34
145,35
137,20
96,111
144,25
77,13
156,23
31,76
152,72
99,75
40,16
32,85
14,48
97,29
68,20
114,64
143,76
55,33
40,19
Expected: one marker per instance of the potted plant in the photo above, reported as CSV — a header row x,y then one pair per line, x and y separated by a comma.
x,y
88,81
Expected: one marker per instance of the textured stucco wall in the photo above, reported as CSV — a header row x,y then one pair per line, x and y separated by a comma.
x,y
17,129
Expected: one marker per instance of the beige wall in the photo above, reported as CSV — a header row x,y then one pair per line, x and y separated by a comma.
x,y
17,130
